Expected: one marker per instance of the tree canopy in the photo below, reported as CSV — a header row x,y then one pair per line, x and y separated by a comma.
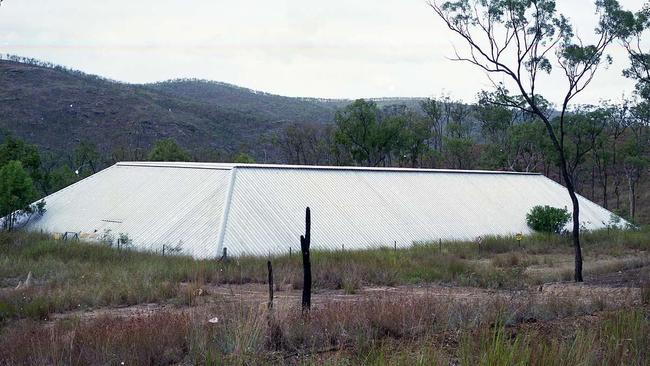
x,y
17,192
168,150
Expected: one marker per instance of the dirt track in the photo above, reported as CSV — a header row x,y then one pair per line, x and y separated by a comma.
x,y
616,289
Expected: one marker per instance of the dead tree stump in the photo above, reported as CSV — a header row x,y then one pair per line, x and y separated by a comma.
x,y
305,242
270,267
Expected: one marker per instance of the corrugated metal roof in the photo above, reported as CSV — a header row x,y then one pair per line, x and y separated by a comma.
x,y
259,209
153,205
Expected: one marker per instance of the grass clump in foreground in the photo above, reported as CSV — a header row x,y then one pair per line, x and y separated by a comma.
x,y
619,338
77,275
374,331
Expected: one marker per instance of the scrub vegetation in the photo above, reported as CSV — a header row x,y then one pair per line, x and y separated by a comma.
x,y
455,302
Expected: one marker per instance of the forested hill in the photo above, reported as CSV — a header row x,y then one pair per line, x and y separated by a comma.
x,y
273,107
269,106
56,108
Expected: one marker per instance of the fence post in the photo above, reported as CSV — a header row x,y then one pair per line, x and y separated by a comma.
x,y
270,268
305,242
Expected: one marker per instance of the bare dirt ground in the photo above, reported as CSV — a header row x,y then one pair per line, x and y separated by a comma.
x,y
636,277
617,289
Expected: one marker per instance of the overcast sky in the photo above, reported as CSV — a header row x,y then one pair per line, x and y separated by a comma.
x,y
334,48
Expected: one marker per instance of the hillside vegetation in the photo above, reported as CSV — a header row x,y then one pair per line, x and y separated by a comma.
x,y
270,107
56,108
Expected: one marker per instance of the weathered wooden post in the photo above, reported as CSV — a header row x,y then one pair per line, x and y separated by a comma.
x,y
270,267
305,242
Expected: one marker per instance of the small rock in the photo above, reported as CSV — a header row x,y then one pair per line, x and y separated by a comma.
x,y
26,284
28,281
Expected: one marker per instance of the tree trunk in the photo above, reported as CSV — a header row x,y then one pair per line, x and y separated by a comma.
x,y
568,181
576,236
305,242
593,183
569,184
605,200
632,198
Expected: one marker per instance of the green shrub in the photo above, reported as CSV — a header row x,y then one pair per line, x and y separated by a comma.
x,y
6,311
547,219
39,308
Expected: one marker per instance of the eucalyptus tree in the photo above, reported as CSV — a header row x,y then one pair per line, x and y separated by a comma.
x,y
369,138
631,28
433,116
17,192
168,150
517,39
412,142
584,127
636,151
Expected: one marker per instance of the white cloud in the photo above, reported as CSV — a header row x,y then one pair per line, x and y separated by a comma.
x,y
331,48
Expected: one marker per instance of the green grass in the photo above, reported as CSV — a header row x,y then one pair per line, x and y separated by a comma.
x,y
620,338
77,275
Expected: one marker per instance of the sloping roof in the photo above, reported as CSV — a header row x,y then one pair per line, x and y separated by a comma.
x,y
259,209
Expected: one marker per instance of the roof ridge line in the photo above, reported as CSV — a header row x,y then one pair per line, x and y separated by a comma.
x,y
230,166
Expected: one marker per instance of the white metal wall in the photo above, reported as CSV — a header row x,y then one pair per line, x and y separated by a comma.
x,y
367,208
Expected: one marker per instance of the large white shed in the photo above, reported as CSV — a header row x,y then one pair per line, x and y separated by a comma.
x,y
254,209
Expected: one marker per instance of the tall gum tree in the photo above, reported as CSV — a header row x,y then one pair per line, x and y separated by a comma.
x,y
523,40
